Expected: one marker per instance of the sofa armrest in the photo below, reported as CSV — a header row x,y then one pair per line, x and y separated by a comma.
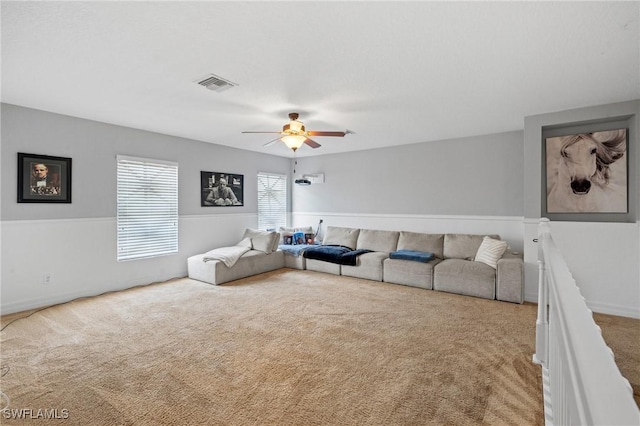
x,y
510,278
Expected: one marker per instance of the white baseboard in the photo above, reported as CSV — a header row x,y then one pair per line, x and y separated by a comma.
x,y
43,302
597,307
610,309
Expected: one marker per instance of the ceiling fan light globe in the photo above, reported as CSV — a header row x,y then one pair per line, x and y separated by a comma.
x,y
296,126
294,141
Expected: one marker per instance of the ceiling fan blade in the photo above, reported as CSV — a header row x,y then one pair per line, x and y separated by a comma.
x,y
323,133
312,144
271,142
261,132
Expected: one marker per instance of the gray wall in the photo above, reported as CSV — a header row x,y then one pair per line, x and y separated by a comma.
x,y
93,147
480,175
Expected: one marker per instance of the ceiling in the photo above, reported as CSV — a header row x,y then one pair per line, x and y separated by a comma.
x,y
392,72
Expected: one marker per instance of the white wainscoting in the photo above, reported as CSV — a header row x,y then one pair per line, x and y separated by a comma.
x,y
80,257
603,258
80,254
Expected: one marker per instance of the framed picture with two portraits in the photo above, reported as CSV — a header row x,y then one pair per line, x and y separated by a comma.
x,y
43,179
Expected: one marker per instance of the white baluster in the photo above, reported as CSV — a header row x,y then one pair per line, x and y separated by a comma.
x,y
581,382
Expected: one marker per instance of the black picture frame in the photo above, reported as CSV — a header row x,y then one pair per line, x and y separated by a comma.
x,y
210,189
43,178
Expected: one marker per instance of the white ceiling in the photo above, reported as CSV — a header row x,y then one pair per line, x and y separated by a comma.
x,y
393,72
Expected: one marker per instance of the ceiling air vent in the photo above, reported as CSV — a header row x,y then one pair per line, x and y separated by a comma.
x,y
215,83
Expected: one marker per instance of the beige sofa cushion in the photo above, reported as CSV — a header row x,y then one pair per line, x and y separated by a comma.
x,y
322,266
418,241
509,278
407,272
347,237
290,230
463,246
264,241
463,277
369,266
385,241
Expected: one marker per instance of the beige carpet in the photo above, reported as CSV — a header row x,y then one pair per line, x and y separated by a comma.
x,y
622,335
283,348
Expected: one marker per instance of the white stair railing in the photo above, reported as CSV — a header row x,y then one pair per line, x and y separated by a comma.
x,y
582,384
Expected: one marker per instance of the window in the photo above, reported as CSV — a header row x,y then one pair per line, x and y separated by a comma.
x,y
272,201
147,208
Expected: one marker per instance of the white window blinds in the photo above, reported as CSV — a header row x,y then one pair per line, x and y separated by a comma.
x,y
272,201
147,208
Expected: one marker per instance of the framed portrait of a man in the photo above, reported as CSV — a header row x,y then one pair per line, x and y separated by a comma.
x,y
219,189
43,179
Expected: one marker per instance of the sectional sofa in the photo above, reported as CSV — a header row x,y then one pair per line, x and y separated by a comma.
x,y
263,256
467,264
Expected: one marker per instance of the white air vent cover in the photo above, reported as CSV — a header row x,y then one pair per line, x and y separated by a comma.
x,y
215,83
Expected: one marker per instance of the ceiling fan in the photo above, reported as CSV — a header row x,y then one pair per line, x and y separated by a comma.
x,y
294,134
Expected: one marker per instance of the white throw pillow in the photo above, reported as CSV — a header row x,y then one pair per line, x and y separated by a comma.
x,y
245,242
262,240
490,251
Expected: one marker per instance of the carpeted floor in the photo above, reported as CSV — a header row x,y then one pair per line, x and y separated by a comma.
x,y
287,347
622,335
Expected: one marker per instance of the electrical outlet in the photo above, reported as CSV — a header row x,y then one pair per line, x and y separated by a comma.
x,y
46,279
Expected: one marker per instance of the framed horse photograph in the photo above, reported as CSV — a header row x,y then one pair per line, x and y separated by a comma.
x,y
587,172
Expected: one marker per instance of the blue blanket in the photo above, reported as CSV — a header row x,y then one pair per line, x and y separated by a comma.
x,y
334,254
295,250
418,256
